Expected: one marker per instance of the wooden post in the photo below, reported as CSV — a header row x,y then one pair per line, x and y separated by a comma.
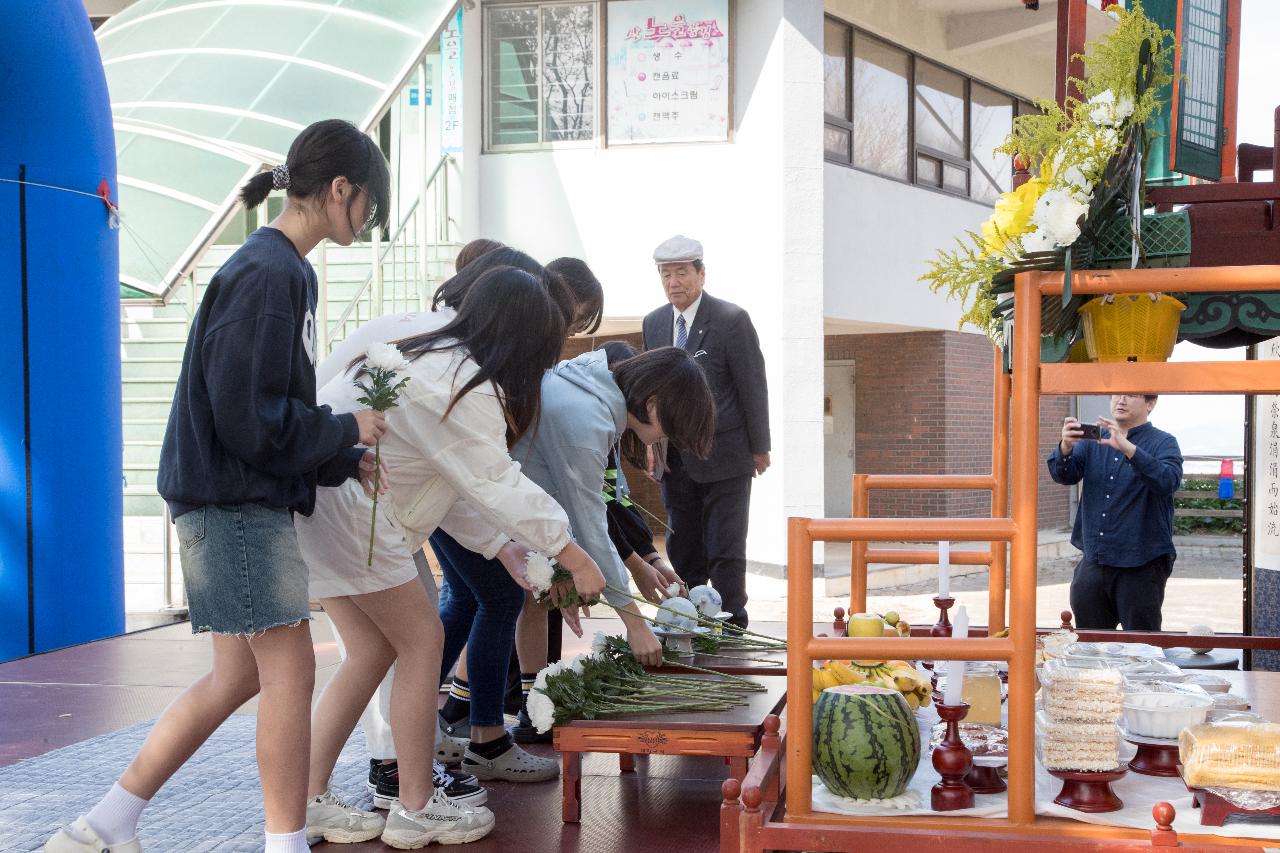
x,y
730,816
1071,37
1022,596
999,494
799,667
1163,835
858,558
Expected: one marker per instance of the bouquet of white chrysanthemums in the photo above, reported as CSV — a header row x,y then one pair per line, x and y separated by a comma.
x,y
610,682
377,379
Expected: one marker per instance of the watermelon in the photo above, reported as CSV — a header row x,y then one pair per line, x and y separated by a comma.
x,y
866,742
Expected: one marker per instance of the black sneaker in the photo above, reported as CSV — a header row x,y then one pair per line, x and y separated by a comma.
x,y
384,784
524,730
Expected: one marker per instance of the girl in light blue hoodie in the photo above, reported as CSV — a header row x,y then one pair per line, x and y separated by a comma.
x,y
588,408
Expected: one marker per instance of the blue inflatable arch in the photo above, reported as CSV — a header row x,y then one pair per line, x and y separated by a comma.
x,y
61,504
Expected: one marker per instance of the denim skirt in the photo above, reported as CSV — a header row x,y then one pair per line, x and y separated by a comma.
x,y
242,568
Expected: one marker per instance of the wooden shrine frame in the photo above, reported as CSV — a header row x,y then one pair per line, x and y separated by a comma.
x,y
799,827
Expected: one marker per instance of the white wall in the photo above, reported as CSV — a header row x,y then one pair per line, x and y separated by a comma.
x,y
880,235
755,203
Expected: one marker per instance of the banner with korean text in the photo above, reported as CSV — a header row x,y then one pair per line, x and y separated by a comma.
x,y
668,71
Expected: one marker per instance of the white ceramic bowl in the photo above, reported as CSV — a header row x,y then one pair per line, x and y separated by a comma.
x,y
1164,715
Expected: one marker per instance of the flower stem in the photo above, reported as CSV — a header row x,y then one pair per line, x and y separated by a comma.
x,y
377,483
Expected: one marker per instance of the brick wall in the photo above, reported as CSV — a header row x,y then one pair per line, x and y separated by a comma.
x,y
923,406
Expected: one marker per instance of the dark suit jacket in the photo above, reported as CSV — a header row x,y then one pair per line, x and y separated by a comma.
x,y
725,345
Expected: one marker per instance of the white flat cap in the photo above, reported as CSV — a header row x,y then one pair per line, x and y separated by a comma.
x,y
676,250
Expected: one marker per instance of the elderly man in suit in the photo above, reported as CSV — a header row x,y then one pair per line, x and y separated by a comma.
x,y
708,499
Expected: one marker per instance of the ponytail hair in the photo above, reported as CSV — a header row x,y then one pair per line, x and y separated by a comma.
x,y
324,151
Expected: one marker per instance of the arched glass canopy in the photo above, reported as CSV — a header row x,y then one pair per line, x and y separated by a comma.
x,y
204,93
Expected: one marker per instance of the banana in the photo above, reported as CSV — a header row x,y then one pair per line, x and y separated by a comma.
x,y
912,700
845,674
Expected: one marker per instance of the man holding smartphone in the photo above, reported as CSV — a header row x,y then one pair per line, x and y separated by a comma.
x,y
1124,522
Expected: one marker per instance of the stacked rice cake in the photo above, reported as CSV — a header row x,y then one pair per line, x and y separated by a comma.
x,y
1077,725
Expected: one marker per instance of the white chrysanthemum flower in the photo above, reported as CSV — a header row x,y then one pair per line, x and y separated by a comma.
x,y
673,590
385,357
1107,110
1057,216
677,613
575,663
706,599
599,643
1036,241
540,683
542,711
539,571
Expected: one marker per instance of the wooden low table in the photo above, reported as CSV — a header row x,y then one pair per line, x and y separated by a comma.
x,y
733,735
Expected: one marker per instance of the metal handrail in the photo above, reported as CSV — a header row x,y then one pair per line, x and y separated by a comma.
x,y
389,250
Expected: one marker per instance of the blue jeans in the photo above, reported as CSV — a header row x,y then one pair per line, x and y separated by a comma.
x,y
479,604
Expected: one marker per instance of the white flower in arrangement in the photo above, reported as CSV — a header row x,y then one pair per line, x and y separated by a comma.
x,y
677,613
542,711
706,599
539,571
1057,216
1036,241
551,669
599,643
1106,110
575,663
385,357
1072,177
672,590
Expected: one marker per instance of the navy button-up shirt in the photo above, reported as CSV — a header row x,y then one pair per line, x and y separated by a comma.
x,y
1125,516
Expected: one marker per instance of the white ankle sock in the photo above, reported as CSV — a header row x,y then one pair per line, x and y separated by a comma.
x,y
115,817
287,842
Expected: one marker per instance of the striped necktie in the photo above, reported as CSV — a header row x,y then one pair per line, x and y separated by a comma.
x,y
682,331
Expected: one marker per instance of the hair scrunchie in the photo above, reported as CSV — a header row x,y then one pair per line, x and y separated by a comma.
x,y
280,177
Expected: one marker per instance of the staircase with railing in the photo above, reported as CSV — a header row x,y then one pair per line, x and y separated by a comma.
x,y
357,282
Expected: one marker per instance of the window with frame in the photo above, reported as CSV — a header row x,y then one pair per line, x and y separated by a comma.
x,y
896,114
541,74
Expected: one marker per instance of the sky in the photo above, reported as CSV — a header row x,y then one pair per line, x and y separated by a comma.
x,y
1214,425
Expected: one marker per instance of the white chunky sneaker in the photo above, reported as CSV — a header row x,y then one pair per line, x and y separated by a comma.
x,y
442,820
514,765
79,837
331,819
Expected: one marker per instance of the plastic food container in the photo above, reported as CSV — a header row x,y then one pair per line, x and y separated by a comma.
x,y
1243,756
1164,715
1229,702
1211,683
1152,670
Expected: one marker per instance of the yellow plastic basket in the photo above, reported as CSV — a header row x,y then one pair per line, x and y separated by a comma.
x,y
1130,327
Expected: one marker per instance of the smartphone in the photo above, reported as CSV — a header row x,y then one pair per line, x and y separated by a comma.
x,y
1091,431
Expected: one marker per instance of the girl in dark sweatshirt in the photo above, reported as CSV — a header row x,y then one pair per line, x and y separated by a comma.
x,y
245,447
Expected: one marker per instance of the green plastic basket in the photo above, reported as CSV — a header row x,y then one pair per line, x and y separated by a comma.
x,y
1165,242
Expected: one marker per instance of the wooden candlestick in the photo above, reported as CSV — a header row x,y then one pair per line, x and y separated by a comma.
x,y
942,628
952,760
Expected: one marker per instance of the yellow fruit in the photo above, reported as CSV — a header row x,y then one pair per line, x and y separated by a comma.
x,y
906,682
904,630
1003,633
845,674
898,664
926,699
891,617
824,678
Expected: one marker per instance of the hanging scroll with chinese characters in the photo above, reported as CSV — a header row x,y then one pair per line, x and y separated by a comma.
x,y
668,71
1264,513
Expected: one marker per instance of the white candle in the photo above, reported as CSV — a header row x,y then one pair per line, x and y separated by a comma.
x,y
944,569
952,694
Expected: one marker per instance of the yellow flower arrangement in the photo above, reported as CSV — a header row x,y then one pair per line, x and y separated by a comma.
x,y
1073,144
